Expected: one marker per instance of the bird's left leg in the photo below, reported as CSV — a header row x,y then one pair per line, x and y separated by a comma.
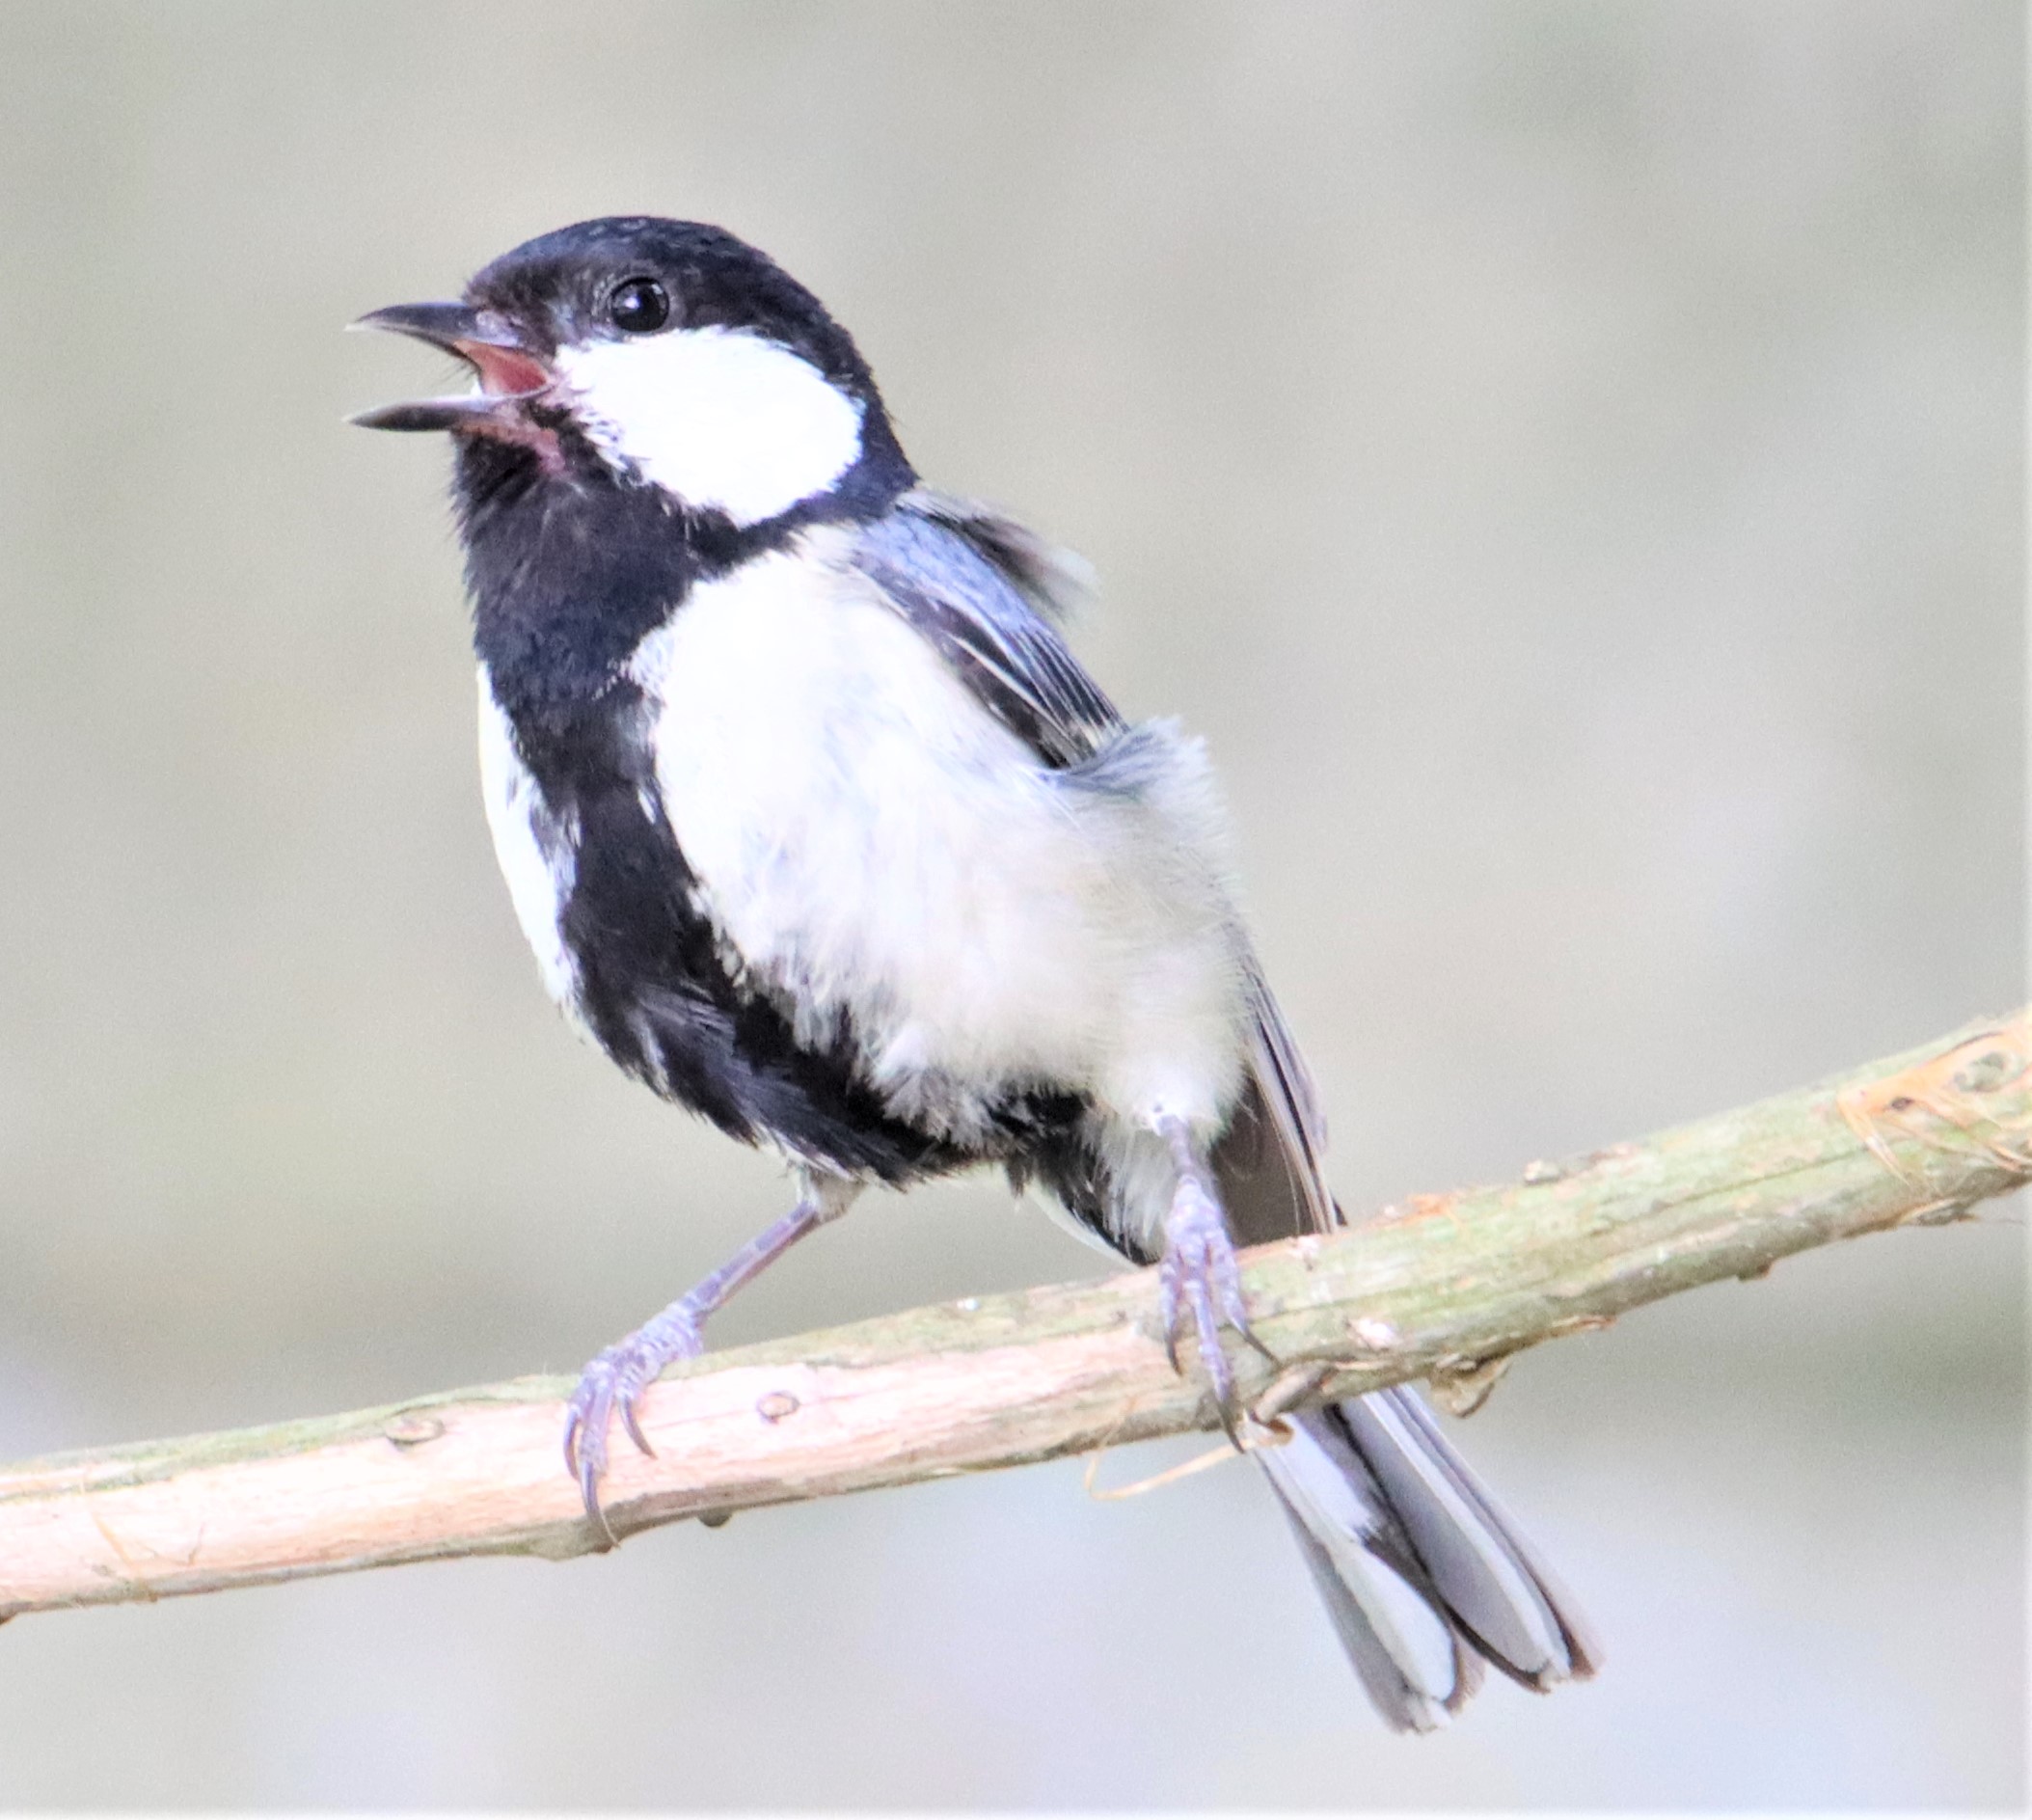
x,y
1198,1275
613,1383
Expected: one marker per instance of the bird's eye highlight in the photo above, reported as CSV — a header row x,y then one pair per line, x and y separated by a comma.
x,y
639,306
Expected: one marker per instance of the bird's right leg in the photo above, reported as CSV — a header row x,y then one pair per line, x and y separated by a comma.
x,y
613,1383
1198,1279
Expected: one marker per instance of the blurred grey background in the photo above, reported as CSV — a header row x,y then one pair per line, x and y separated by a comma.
x,y
1569,460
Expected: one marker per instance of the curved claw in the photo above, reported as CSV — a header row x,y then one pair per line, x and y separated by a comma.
x,y
1168,1313
611,1386
1249,1339
634,1424
1200,1278
585,1463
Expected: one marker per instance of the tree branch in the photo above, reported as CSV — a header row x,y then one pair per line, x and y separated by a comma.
x,y
1444,1287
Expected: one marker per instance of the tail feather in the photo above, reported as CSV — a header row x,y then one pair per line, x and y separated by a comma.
x,y
1492,1579
1424,1576
1416,1667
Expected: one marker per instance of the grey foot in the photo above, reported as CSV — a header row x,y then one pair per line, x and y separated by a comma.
x,y
611,1386
1199,1280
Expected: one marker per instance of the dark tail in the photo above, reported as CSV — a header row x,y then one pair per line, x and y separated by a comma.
x,y
1424,1576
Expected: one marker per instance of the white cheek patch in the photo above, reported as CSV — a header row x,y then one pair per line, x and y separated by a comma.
x,y
721,419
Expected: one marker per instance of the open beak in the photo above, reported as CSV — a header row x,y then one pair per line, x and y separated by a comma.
x,y
509,374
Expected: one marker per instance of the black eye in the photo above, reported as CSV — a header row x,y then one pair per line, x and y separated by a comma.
x,y
639,306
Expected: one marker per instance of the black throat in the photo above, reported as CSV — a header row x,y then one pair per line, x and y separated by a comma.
x,y
570,568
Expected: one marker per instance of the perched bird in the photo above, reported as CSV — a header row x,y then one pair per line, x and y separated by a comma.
x,y
817,828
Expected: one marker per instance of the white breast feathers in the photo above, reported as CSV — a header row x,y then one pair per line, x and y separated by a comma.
x,y
876,847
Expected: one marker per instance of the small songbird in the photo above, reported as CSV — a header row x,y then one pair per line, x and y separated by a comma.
x,y
817,828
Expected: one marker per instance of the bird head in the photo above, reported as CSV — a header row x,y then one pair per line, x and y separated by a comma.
x,y
660,353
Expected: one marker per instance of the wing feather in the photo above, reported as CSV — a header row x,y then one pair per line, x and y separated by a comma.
x,y
988,596
979,590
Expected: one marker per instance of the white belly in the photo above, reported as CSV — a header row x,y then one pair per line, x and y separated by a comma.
x,y
877,847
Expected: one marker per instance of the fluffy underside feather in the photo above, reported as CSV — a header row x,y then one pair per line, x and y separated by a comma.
x,y
881,853
897,873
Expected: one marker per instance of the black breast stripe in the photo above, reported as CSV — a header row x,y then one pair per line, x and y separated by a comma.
x,y
654,986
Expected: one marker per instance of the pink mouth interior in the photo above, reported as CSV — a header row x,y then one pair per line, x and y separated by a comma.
x,y
505,372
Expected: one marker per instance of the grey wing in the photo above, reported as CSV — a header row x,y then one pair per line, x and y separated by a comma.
x,y
1055,581
1270,1163
988,596
982,593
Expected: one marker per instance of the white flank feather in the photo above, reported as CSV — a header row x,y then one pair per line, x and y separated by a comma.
x,y
538,883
